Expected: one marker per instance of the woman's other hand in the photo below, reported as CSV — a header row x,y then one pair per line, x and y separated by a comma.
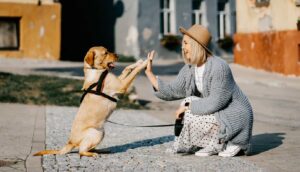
x,y
179,111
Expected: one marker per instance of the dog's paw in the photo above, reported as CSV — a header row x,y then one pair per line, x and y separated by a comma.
x,y
139,62
144,63
95,155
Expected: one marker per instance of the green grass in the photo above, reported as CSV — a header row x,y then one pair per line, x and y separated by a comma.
x,y
47,90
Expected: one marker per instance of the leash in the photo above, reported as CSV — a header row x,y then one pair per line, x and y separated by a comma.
x,y
98,91
127,125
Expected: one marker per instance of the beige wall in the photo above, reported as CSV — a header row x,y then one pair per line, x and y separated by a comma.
x,y
39,30
280,15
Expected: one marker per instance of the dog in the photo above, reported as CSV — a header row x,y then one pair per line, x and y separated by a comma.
x,y
87,129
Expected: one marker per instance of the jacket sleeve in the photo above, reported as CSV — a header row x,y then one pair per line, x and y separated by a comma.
x,y
222,86
175,89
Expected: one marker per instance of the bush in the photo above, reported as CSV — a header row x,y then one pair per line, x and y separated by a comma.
x,y
123,58
226,43
171,42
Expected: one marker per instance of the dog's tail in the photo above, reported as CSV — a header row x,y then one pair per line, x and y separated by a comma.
x,y
67,148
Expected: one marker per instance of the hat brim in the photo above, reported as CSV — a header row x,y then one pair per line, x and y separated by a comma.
x,y
184,31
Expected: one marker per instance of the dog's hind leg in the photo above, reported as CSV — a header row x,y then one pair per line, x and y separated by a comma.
x,y
67,148
91,139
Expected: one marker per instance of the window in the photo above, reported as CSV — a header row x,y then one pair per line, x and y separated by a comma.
x,y
167,17
199,12
9,33
223,19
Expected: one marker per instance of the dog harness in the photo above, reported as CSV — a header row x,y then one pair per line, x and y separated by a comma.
x,y
98,91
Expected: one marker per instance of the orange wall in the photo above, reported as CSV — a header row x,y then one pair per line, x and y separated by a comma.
x,y
39,30
272,51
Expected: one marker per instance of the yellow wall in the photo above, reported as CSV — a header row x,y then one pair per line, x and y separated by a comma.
x,y
39,30
280,15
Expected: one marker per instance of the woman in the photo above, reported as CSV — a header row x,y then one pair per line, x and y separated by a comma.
x,y
218,116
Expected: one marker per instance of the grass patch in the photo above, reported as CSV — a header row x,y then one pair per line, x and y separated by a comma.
x,y
47,90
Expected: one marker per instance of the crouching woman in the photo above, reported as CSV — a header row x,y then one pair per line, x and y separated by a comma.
x,y
218,116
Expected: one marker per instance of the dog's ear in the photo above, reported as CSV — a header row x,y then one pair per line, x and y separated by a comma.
x,y
89,58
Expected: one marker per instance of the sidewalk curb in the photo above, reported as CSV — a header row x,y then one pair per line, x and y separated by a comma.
x,y
34,163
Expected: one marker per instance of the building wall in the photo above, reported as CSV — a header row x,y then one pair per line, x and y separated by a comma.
x,y
141,18
39,30
212,15
267,37
126,27
183,14
280,15
148,26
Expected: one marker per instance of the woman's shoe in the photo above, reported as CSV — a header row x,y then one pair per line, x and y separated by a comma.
x,y
230,151
206,152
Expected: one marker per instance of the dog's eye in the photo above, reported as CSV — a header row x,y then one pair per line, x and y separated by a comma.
x,y
105,53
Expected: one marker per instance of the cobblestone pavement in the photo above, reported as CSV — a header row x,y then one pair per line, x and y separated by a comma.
x,y
128,149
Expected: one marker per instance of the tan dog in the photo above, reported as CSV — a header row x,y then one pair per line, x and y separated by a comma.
x,y
87,129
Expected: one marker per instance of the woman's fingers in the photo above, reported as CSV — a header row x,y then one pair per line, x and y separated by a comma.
x,y
150,58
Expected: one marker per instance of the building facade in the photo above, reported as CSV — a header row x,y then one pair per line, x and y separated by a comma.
x,y
146,25
30,29
267,35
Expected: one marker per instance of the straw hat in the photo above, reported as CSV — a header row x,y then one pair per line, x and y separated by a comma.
x,y
200,34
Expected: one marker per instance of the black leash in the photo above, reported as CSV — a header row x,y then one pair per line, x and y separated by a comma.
x,y
98,89
127,125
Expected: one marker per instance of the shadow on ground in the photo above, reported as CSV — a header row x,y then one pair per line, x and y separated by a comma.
x,y
136,144
264,142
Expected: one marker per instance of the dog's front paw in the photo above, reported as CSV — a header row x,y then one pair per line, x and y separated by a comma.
x,y
139,62
143,64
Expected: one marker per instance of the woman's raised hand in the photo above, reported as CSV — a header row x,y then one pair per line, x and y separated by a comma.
x,y
150,57
148,70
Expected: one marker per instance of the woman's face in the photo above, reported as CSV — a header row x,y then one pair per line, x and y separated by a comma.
x,y
186,48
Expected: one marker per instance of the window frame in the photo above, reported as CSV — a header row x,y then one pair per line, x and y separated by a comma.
x,y
167,17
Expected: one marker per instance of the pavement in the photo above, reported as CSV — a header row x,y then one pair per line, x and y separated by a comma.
x,y
25,129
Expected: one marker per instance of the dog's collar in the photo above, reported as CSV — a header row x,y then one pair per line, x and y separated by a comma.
x,y
98,91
